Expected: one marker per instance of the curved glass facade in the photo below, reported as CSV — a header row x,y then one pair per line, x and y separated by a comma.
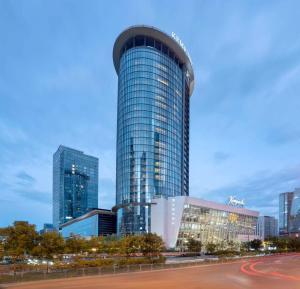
x,y
153,131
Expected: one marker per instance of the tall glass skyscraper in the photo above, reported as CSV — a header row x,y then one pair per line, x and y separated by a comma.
x,y
75,184
285,206
295,214
156,80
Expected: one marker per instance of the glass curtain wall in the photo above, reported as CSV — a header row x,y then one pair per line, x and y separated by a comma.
x,y
213,226
153,127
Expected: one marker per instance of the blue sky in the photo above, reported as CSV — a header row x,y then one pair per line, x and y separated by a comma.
x,y
58,86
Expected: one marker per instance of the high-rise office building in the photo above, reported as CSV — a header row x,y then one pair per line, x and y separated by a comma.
x,y
47,228
285,205
294,228
75,184
156,80
267,227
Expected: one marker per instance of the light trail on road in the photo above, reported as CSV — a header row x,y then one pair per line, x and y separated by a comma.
x,y
273,272
250,267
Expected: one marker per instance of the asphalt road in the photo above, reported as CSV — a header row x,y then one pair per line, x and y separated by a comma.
x,y
274,272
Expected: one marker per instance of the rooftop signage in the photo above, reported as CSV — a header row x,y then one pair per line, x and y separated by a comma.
x,y
178,40
232,201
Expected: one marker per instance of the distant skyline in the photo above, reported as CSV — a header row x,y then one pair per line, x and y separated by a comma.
x,y
58,86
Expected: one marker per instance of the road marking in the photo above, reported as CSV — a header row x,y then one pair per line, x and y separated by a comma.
x,y
252,271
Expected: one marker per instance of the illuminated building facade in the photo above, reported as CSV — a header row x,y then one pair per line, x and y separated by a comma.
x,y
177,219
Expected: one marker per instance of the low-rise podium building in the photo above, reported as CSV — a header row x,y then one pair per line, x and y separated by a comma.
x,y
98,222
180,218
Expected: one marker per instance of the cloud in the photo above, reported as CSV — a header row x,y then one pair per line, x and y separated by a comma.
x,y
261,190
25,178
281,136
34,195
58,85
22,185
220,157
12,134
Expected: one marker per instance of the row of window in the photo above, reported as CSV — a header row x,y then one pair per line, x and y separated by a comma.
x,y
149,97
146,110
148,118
138,130
147,71
154,87
140,89
142,76
159,49
167,154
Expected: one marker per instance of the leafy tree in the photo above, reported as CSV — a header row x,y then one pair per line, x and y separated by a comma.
x,y
294,244
20,240
1,250
151,245
211,248
245,246
231,245
4,233
112,246
256,244
49,245
75,245
194,245
130,245
93,244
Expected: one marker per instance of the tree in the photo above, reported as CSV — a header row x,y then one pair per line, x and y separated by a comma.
x,y
75,245
21,239
231,245
294,244
130,245
194,245
1,250
93,244
151,245
256,244
211,248
112,246
245,246
50,244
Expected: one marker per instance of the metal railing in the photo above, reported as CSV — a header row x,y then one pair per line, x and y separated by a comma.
x,y
32,275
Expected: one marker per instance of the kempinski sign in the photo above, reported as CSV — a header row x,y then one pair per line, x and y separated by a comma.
x,y
232,201
178,40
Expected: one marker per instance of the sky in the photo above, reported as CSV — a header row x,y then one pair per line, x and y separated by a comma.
x,y
58,86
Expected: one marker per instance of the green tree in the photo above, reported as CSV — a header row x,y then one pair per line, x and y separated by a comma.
x,y
4,232
75,245
20,240
194,245
130,245
151,245
245,246
211,248
1,250
256,244
293,244
92,245
113,246
49,245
